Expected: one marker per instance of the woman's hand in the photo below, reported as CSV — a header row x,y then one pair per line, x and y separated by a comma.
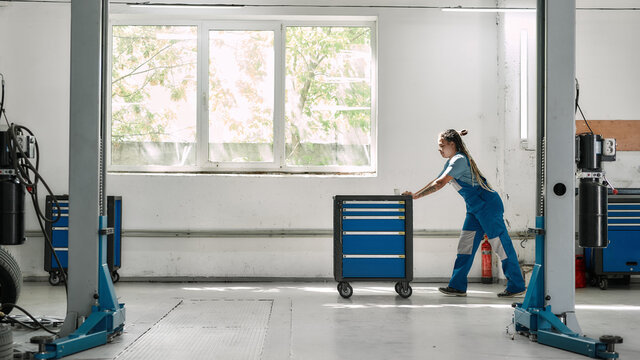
x,y
409,193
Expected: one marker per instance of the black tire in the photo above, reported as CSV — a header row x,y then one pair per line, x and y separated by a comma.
x,y
6,342
397,287
345,289
405,293
10,280
115,277
603,283
54,278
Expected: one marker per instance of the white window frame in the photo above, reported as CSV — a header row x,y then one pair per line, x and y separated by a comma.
x,y
203,138
278,166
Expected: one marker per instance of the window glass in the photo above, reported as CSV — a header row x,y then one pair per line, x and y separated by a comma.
x,y
241,96
153,107
266,97
328,96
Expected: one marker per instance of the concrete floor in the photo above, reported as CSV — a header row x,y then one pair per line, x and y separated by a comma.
x,y
300,320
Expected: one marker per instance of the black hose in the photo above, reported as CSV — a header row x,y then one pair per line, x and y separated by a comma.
x,y
30,316
10,320
23,167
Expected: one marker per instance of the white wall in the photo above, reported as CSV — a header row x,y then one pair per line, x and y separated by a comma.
x,y
518,157
607,58
34,58
436,70
607,53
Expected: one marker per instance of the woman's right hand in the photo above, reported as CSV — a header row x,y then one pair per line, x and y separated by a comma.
x,y
408,193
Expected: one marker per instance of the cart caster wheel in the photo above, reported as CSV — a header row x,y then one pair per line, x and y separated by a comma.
x,y
603,284
404,292
398,287
345,290
54,279
115,277
592,279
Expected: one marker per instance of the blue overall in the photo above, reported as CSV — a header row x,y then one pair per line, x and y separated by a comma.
x,y
484,216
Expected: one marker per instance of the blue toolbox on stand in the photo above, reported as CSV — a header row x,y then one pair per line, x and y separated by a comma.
x,y
373,241
58,232
619,260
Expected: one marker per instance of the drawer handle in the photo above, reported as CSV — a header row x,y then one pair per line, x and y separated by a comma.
x,y
632,263
372,217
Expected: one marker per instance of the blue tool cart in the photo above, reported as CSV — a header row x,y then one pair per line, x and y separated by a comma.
x,y
373,241
619,260
58,232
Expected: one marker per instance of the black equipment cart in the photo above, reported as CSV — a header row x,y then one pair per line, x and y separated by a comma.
x,y
58,232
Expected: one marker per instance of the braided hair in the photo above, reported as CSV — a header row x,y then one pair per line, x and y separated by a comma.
x,y
455,137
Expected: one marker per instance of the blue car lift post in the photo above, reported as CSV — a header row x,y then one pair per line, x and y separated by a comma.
x,y
547,313
105,321
94,315
533,318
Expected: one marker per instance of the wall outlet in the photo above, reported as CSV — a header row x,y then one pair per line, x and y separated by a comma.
x,y
609,147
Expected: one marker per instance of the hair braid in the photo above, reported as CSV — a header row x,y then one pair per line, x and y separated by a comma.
x,y
452,135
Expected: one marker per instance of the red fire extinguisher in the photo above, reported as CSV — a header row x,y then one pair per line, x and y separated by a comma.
x,y
487,277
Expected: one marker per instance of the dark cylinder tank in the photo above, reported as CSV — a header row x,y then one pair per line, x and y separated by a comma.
x,y
11,212
590,152
592,225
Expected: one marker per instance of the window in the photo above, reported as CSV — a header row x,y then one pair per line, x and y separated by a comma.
x,y
328,101
153,95
258,96
241,96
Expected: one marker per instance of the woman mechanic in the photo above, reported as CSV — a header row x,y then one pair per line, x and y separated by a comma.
x,y
484,216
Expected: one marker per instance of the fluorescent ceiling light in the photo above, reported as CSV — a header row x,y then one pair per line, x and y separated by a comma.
x,y
524,86
184,6
484,9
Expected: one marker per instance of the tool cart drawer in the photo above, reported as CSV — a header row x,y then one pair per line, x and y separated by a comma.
x,y
378,243
354,266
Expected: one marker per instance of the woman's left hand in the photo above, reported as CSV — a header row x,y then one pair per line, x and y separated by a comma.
x,y
408,193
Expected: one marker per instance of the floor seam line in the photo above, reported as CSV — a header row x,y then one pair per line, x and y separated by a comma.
x,y
149,329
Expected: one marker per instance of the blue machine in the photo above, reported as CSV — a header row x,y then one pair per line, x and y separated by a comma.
x,y
620,258
373,241
59,234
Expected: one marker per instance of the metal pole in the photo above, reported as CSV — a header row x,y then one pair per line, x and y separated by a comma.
x,y
559,209
84,158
